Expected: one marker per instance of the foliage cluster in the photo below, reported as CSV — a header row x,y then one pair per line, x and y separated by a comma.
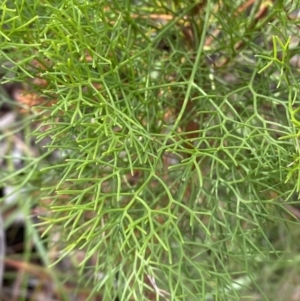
x,y
166,142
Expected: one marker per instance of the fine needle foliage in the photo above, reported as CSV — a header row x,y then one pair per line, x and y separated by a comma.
x,y
166,164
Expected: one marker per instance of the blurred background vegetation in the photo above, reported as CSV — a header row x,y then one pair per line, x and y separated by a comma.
x,y
149,150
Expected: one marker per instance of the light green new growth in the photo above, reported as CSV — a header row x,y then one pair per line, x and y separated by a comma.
x,y
168,143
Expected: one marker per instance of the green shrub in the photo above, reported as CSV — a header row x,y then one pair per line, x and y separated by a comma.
x,y
167,138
